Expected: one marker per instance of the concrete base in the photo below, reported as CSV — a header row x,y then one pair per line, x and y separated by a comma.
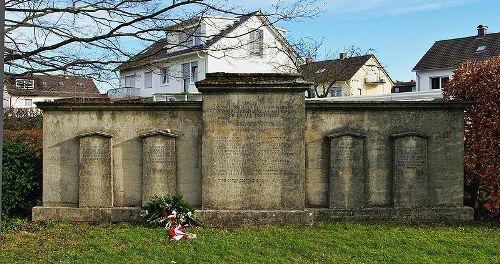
x,y
436,214
74,214
238,218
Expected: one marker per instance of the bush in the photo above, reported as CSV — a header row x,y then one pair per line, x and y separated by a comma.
x,y
479,83
168,212
22,118
22,177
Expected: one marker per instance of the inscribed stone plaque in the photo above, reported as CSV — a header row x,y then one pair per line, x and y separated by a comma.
x,y
159,165
253,148
95,185
347,173
410,171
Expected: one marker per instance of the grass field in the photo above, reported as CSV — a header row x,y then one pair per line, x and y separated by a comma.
x,y
327,242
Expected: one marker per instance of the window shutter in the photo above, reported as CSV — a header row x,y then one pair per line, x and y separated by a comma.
x,y
260,43
186,71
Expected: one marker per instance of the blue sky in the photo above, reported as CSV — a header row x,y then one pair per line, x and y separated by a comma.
x,y
399,31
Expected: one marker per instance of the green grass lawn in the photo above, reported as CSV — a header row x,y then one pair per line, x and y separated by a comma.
x,y
327,242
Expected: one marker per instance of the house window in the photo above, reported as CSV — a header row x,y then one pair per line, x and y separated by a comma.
x,y
130,81
25,84
61,83
257,43
194,71
80,85
312,92
190,37
28,102
148,80
165,78
198,35
336,92
439,82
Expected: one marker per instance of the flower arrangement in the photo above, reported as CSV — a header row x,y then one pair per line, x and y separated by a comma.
x,y
172,213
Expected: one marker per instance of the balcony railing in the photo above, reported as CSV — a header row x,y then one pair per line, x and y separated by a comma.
x,y
169,97
124,92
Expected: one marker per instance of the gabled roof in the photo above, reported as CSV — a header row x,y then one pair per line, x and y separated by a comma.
x,y
339,69
157,50
53,85
448,54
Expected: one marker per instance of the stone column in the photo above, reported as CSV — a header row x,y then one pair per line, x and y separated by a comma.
x,y
159,165
253,142
410,185
95,184
347,171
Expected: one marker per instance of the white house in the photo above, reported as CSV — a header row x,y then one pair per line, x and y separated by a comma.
x,y
246,44
25,91
436,67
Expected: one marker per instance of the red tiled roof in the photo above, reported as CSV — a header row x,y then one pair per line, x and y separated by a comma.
x,y
53,85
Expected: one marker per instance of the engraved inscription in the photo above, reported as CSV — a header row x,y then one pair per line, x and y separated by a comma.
x,y
254,145
94,152
159,171
95,187
347,172
410,171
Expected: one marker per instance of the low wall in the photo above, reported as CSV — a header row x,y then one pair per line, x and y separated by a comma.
x,y
255,152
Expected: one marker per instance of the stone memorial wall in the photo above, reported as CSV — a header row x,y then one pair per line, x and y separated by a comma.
x,y
254,152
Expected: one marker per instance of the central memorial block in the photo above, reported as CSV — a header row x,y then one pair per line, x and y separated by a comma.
x,y
253,142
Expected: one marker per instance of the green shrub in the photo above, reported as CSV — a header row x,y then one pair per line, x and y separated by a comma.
x,y
22,177
168,212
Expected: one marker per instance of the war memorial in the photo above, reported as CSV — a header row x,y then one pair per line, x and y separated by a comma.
x,y
254,152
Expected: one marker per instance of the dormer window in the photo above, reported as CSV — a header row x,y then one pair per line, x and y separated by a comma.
x,y
61,83
80,85
25,84
480,48
190,37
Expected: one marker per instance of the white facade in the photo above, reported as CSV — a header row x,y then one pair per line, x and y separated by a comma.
x,y
236,52
432,80
24,101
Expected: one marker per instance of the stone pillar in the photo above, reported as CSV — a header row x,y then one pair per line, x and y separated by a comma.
x,y
95,184
159,165
253,142
347,171
410,185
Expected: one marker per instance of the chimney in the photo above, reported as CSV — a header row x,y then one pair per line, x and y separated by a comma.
x,y
481,31
343,55
309,60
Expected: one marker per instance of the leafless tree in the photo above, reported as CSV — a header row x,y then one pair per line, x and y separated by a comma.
x,y
92,37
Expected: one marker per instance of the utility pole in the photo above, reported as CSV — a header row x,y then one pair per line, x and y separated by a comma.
x,y
2,40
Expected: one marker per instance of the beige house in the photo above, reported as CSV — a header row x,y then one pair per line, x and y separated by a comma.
x,y
347,76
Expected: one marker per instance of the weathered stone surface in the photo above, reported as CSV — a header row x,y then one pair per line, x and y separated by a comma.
x,y
241,218
266,156
347,171
378,121
410,170
159,165
428,214
73,214
63,123
253,146
95,185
